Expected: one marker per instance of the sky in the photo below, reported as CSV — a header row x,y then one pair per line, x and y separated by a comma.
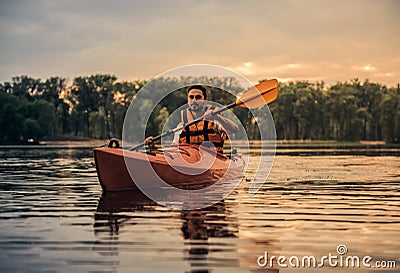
x,y
289,40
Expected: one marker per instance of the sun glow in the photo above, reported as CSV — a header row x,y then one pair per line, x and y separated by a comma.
x,y
246,68
368,68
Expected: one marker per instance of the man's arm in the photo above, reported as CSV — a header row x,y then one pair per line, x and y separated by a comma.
x,y
228,125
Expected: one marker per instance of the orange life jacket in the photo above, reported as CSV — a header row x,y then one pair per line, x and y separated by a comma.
x,y
200,132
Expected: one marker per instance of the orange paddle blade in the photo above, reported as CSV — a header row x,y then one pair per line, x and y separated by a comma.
x,y
260,95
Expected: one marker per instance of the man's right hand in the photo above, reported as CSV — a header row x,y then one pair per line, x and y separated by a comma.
x,y
150,142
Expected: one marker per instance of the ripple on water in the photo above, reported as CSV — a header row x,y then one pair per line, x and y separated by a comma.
x,y
54,217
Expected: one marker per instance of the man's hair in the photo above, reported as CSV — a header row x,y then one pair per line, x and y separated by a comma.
x,y
198,86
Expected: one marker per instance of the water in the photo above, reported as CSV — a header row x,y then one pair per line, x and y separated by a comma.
x,y
54,217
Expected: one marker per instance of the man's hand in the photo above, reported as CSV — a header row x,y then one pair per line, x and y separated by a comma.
x,y
150,142
209,116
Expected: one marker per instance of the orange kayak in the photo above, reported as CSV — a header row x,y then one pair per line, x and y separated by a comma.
x,y
185,166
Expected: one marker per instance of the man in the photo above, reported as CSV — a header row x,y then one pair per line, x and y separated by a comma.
x,y
212,128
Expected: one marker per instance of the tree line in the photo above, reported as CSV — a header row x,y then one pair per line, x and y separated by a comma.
x,y
345,111
94,107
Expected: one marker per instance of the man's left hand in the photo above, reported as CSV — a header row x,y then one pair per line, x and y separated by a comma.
x,y
209,116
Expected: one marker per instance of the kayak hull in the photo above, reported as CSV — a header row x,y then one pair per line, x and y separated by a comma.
x,y
183,166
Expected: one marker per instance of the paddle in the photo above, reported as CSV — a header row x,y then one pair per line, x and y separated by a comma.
x,y
257,96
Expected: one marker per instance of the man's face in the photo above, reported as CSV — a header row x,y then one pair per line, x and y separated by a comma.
x,y
196,100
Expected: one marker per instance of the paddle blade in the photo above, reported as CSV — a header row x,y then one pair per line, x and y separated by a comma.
x,y
260,95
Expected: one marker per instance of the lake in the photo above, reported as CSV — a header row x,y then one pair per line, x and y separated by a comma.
x,y
321,199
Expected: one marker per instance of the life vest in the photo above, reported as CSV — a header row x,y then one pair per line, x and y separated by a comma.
x,y
200,132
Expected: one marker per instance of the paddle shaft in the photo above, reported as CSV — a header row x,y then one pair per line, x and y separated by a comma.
x,y
223,109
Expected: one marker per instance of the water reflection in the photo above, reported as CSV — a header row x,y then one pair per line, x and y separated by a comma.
x,y
119,210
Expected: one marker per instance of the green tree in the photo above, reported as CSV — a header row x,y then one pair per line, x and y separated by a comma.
x,y
11,118
43,112
307,110
283,112
369,95
390,116
24,87
90,93
122,95
31,129
346,118
97,126
161,119
52,90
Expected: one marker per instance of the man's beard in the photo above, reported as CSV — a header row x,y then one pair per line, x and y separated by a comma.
x,y
196,106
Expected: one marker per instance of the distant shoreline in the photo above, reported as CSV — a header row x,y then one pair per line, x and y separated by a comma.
x,y
279,143
57,143
92,142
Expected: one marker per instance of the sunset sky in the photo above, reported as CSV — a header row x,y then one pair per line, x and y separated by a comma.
x,y
289,40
